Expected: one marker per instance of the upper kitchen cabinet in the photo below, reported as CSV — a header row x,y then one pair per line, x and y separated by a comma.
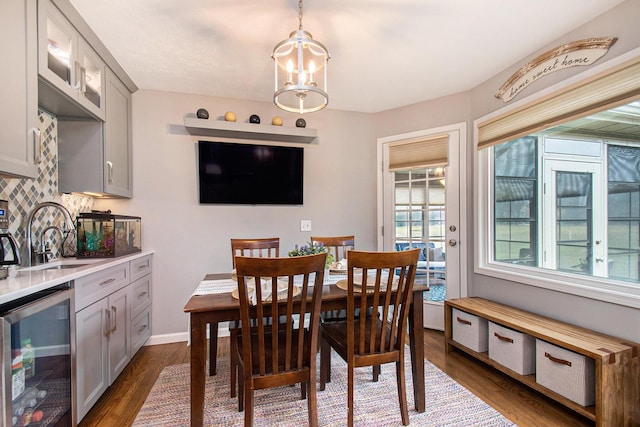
x,y
95,157
68,65
20,145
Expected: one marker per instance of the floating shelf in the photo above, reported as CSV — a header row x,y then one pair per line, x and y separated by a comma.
x,y
219,128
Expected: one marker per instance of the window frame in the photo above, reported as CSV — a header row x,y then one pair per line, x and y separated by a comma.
x,y
598,288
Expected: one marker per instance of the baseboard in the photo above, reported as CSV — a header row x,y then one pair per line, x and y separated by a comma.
x,y
223,331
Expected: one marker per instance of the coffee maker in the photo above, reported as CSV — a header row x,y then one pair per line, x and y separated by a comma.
x,y
9,253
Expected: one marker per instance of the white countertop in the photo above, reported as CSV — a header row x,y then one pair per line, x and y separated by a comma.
x,y
25,281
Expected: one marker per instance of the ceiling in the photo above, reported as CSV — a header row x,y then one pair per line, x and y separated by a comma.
x,y
384,53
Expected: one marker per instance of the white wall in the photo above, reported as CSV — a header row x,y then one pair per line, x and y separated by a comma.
x,y
191,239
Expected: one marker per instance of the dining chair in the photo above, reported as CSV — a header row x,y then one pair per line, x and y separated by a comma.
x,y
338,246
272,354
387,279
262,247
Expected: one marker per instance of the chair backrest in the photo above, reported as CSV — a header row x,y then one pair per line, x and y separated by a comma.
x,y
282,347
264,247
379,273
338,246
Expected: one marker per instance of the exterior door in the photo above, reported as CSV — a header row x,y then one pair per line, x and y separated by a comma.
x,y
419,206
574,218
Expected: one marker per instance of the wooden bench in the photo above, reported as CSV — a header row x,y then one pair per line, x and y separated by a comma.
x,y
617,362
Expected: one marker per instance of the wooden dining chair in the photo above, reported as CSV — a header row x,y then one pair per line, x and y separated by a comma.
x,y
272,354
338,246
361,340
262,247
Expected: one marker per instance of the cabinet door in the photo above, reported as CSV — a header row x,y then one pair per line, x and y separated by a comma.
x,y
20,144
90,78
119,343
117,144
57,49
92,363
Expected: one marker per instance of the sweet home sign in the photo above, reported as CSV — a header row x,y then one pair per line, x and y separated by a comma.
x,y
577,53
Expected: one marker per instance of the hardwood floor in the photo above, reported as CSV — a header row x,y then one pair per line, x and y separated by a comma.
x,y
523,406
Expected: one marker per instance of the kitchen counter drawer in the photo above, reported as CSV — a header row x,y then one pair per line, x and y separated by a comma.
x,y
140,295
140,267
140,330
93,287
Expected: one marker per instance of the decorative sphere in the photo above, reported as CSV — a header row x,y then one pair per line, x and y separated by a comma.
x,y
254,119
277,121
230,116
202,113
301,123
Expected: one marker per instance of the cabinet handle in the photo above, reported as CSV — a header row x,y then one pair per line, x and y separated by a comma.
x,y
463,321
142,267
37,146
142,294
109,172
503,338
107,314
142,328
115,318
83,80
78,82
106,282
556,360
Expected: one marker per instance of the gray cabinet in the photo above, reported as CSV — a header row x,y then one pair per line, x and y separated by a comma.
x,y
20,144
113,320
95,157
68,66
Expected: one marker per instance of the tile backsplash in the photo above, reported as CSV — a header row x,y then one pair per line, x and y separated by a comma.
x,y
24,194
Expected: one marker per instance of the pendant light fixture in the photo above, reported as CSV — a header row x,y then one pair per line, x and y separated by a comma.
x,y
300,72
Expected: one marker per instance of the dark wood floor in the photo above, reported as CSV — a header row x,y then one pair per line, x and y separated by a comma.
x,y
121,402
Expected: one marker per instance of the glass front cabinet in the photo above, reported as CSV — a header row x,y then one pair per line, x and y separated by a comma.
x,y
67,62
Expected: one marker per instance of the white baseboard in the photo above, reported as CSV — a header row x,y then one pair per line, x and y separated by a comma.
x,y
223,331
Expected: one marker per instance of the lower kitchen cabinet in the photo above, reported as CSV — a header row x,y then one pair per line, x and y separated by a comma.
x,y
111,327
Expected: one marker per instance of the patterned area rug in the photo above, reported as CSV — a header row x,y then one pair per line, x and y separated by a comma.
x,y
376,404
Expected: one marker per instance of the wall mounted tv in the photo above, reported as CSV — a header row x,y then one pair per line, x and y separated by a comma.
x,y
250,174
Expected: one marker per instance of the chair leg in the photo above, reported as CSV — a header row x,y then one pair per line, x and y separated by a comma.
x,y
248,410
350,397
233,359
376,373
241,387
402,392
325,364
213,347
312,402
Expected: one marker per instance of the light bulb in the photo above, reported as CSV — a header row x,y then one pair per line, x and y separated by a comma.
x,y
312,69
289,72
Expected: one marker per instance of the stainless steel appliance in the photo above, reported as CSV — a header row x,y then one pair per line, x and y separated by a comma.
x,y
9,253
37,359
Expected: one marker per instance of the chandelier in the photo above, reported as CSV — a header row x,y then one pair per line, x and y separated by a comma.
x,y
300,72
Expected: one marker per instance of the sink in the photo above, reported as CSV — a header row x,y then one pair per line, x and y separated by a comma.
x,y
63,266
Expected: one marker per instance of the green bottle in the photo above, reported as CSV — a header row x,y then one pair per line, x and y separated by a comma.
x,y
28,358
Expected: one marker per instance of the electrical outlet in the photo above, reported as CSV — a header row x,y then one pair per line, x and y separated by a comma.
x,y
305,225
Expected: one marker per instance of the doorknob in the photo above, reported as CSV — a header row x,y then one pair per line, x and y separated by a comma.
x,y
599,260
452,242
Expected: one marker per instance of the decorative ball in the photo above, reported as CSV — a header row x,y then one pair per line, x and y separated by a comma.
x,y
254,119
230,116
277,121
202,113
301,123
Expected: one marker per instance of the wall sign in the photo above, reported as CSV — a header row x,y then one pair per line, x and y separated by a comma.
x,y
580,52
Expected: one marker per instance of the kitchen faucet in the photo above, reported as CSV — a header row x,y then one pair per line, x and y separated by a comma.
x,y
33,254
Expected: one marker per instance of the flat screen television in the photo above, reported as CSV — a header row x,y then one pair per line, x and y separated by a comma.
x,y
250,174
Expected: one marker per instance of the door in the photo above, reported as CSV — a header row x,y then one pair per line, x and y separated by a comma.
x,y
574,218
419,206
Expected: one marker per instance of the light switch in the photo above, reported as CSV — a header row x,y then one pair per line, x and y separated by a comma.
x,y
305,225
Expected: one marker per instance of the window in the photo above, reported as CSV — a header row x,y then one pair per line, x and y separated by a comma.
x,y
559,190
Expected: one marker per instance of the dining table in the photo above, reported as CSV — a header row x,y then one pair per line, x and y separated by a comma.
x,y
212,303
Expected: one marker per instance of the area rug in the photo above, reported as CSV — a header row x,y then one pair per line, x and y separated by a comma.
x,y
376,403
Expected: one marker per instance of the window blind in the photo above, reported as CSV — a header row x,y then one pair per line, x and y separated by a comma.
x,y
420,152
609,89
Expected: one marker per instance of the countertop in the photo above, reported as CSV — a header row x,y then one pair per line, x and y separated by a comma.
x,y
25,281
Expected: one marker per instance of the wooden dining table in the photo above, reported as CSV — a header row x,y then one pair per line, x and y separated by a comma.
x,y
211,309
